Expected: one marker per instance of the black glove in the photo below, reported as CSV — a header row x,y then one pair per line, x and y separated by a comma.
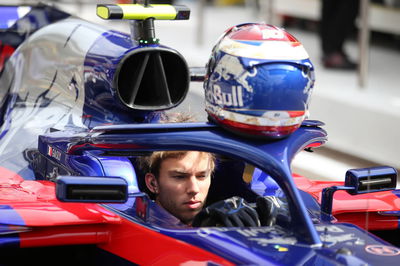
x,y
232,212
269,208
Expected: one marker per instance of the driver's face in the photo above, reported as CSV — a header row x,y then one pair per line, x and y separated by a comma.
x,y
183,185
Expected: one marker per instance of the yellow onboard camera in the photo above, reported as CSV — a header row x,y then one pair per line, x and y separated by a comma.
x,y
142,17
142,12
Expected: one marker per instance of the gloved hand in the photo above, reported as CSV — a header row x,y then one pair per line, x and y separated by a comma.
x,y
232,212
269,208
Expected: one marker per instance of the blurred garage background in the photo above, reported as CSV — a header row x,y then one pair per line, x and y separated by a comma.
x,y
361,108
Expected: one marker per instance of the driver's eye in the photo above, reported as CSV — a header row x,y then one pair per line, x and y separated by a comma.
x,y
179,176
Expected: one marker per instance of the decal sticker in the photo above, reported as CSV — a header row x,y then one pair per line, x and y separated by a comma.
x,y
272,49
230,67
274,236
142,208
350,239
234,98
280,248
273,34
333,235
254,232
204,232
331,229
382,250
262,236
56,154
267,241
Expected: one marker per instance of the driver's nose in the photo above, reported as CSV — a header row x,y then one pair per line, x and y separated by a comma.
x,y
193,185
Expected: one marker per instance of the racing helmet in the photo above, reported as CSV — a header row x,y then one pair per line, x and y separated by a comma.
x,y
259,81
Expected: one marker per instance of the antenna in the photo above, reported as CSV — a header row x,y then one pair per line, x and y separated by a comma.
x,y
143,31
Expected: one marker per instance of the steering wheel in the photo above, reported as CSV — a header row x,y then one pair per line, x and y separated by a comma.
x,y
232,212
236,212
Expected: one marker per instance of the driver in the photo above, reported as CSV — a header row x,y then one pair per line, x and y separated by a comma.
x,y
179,182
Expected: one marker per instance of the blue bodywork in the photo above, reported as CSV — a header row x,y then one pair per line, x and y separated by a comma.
x,y
308,239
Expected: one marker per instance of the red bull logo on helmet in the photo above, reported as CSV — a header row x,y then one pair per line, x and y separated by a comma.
x,y
233,98
230,70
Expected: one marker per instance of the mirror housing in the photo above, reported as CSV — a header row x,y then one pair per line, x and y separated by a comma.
x,y
372,179
359,181
91,189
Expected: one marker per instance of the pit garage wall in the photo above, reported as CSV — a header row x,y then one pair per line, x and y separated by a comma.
x,y
382,18
363,122
360,124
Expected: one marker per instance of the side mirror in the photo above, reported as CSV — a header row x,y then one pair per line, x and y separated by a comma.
x,y
372,179
91,189
359,181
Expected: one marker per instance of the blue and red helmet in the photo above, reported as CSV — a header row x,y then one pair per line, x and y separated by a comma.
x,y
259,81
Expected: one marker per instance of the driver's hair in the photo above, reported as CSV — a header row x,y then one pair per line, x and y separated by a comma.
x,y
152,163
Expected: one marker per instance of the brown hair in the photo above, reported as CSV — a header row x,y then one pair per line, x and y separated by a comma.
x,y
179,117
152,163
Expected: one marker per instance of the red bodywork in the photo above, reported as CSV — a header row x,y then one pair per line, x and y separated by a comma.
x,y
362,210
49,222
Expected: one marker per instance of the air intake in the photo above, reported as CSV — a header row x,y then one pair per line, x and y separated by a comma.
x,y
152,79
